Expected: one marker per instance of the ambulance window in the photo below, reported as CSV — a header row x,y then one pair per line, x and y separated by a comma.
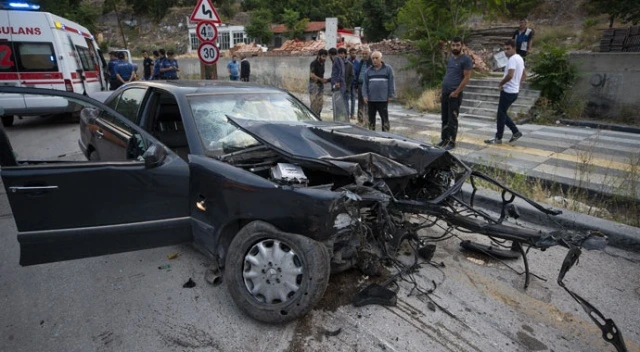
x,y
85,58
35,56
129,103
7,58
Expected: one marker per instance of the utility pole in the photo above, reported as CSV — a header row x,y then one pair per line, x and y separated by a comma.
x,y
115,9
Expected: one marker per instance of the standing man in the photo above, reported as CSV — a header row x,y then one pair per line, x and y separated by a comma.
x,y
365,63
348,76
455,79
524,38
509,89
245,69
170,68
338,83
353,87
317,82
111,70
147,65
157,62
124,71
233,67
379,88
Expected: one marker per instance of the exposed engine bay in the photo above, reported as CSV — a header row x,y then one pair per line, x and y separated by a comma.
x,y
391,188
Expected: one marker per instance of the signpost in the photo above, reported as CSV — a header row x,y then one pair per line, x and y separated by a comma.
x,y
206,16
208,53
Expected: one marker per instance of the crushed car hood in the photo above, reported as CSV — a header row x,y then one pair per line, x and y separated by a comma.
x,y
345,146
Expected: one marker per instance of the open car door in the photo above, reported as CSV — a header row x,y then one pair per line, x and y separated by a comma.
x,y
67,209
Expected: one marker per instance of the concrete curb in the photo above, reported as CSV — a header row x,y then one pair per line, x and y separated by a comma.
x,y
602,126
619,235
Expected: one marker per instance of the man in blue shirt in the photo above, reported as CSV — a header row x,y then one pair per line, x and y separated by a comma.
x,y
158,57
169,67
111,70
124,72
234,68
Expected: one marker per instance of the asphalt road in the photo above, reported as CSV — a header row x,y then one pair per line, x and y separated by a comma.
x,y
124,302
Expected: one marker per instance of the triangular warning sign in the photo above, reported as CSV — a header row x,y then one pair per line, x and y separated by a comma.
x,y
205,11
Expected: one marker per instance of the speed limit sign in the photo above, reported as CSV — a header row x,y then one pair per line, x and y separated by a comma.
x,y
207,31
208,53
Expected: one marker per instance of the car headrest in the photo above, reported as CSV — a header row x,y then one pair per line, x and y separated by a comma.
x,y
169,113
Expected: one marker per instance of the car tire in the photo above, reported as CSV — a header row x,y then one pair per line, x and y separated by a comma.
x,y
93,156
7,121
288,273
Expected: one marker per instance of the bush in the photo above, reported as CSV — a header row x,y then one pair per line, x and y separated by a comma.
x,y
554,73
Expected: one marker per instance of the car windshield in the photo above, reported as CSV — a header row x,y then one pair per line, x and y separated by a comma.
x,y
219,136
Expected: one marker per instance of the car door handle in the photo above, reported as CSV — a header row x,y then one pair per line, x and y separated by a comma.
x,y
32,189
100,133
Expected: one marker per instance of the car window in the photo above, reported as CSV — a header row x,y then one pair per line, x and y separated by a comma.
x,y
217,134
39,138
129,103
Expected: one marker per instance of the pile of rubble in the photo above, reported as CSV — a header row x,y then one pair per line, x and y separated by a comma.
x,y
481,59
252,49
297,47
392,46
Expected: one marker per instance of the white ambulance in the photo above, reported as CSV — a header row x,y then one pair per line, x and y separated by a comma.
x,y
42,50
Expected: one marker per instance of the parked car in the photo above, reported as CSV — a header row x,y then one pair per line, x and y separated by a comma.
x,y
276,197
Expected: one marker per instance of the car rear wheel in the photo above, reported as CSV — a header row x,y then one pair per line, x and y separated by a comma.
x,y
7,121
274,276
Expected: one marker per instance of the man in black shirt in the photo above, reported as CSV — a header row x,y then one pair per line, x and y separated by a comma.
x,y
245,69
147,63
317,82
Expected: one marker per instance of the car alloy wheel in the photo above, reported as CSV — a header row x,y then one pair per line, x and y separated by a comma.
x,y
274,276
272,271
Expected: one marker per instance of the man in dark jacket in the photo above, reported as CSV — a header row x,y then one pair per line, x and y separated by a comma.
x,y
365,63
338,84
317,82
245,69
378,88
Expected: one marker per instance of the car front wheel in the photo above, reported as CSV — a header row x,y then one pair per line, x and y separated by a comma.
x,y
274,276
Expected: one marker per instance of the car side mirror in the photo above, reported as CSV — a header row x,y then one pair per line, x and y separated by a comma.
x,y
154,156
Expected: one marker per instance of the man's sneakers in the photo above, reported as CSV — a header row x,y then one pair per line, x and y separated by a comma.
x,y
515,137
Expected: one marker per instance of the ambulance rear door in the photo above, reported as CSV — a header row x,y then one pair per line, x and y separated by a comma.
x,y
11,104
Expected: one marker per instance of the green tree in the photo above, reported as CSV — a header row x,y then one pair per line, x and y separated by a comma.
x,y
627,11
555,74
294,24
259,26
380,18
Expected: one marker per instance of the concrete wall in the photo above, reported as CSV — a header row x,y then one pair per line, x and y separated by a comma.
x,y
609,82
292,72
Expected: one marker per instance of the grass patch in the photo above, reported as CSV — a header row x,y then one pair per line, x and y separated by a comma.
x,y
621,206
428,101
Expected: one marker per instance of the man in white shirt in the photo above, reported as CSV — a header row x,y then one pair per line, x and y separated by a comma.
x,y
509,88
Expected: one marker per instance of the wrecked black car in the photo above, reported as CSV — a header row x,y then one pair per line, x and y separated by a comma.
x,y
276,197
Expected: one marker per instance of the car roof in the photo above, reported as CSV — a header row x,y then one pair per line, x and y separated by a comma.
x,y
206,86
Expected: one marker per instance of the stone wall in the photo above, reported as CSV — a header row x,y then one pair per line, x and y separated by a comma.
x,y
609,82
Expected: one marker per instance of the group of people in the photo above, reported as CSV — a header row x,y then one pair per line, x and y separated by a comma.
x,y
458,74
239,70
163,66
369,78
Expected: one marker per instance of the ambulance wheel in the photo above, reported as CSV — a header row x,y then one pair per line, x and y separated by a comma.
x,y
7,121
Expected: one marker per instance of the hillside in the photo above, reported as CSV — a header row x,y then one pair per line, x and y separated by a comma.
x,y
560,22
